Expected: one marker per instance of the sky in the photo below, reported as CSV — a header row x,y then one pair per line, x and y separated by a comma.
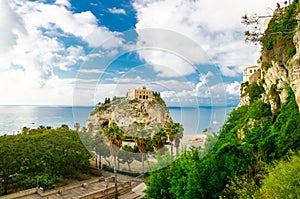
x,y
74,52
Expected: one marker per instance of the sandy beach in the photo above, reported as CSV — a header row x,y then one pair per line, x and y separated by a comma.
x,y
196,140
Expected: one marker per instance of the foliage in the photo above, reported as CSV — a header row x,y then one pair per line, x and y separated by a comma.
x,y
115,135
265,65
278,38
254,91
275,95
242,187
175,133
128,154
283,180
250,139
110,169
107,101
254,32
159,183
41,154
159,139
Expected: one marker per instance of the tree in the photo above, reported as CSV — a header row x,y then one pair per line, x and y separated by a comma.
x,y
45,154
90,127
99,146
128,154
142,138
84,129
115,135
25,130
207,130
173,130
254,33
178,137
77,126
159,139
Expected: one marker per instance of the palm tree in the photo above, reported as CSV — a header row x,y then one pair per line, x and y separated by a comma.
x,y
77,126
98,144
172,129
142,138
90,127
115,135
159,139
178,137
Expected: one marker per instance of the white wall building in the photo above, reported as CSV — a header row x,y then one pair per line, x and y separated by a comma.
x,y
248,72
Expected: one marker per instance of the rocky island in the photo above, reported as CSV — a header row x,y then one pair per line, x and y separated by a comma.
x,y
142,106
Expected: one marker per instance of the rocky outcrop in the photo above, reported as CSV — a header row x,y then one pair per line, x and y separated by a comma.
x,y
151,114
294,69
277,70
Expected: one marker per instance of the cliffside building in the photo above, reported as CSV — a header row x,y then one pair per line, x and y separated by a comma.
x,y
141,94
250,71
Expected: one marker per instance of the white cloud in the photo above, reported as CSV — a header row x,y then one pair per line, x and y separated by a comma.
x,y
117,11
171,54
97,71
25,45
233,88
203,79
214,25
83,25
10,28
65,3
21,87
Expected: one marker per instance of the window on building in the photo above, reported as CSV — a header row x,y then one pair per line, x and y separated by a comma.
x,y
250,71
254,70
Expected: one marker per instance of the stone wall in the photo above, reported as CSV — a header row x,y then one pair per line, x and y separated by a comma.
x,y
255,77
141,94
20,194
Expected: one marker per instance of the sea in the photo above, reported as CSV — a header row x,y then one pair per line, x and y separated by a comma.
x,y
194,119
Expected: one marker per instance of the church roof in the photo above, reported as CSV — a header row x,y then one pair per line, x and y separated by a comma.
x,y
250,67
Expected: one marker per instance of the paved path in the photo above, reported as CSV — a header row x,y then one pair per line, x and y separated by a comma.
x,y
129,187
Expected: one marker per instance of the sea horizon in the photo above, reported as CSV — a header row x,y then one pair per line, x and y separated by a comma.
x,y
14,117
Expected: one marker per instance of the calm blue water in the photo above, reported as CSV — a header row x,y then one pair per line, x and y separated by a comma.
x,y
14,118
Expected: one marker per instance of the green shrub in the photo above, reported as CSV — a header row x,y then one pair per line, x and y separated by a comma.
x,y
266,65
283,181
110,169
254,91
269,44
290,52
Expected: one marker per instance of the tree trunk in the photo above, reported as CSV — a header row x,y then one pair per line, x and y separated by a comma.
x,y
96,161
115,172
100,163
171,150
108,161
129,168
143,166
5,185
177,144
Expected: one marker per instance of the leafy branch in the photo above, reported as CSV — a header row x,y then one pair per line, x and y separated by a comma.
x,y
254,32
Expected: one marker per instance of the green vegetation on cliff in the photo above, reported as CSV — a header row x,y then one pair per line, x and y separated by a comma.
x,y
250,140
278,38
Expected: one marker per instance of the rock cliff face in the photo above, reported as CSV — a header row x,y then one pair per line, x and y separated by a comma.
x,y
280,59
152,114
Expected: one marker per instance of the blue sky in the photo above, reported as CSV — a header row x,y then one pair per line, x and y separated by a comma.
x,y
73,52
